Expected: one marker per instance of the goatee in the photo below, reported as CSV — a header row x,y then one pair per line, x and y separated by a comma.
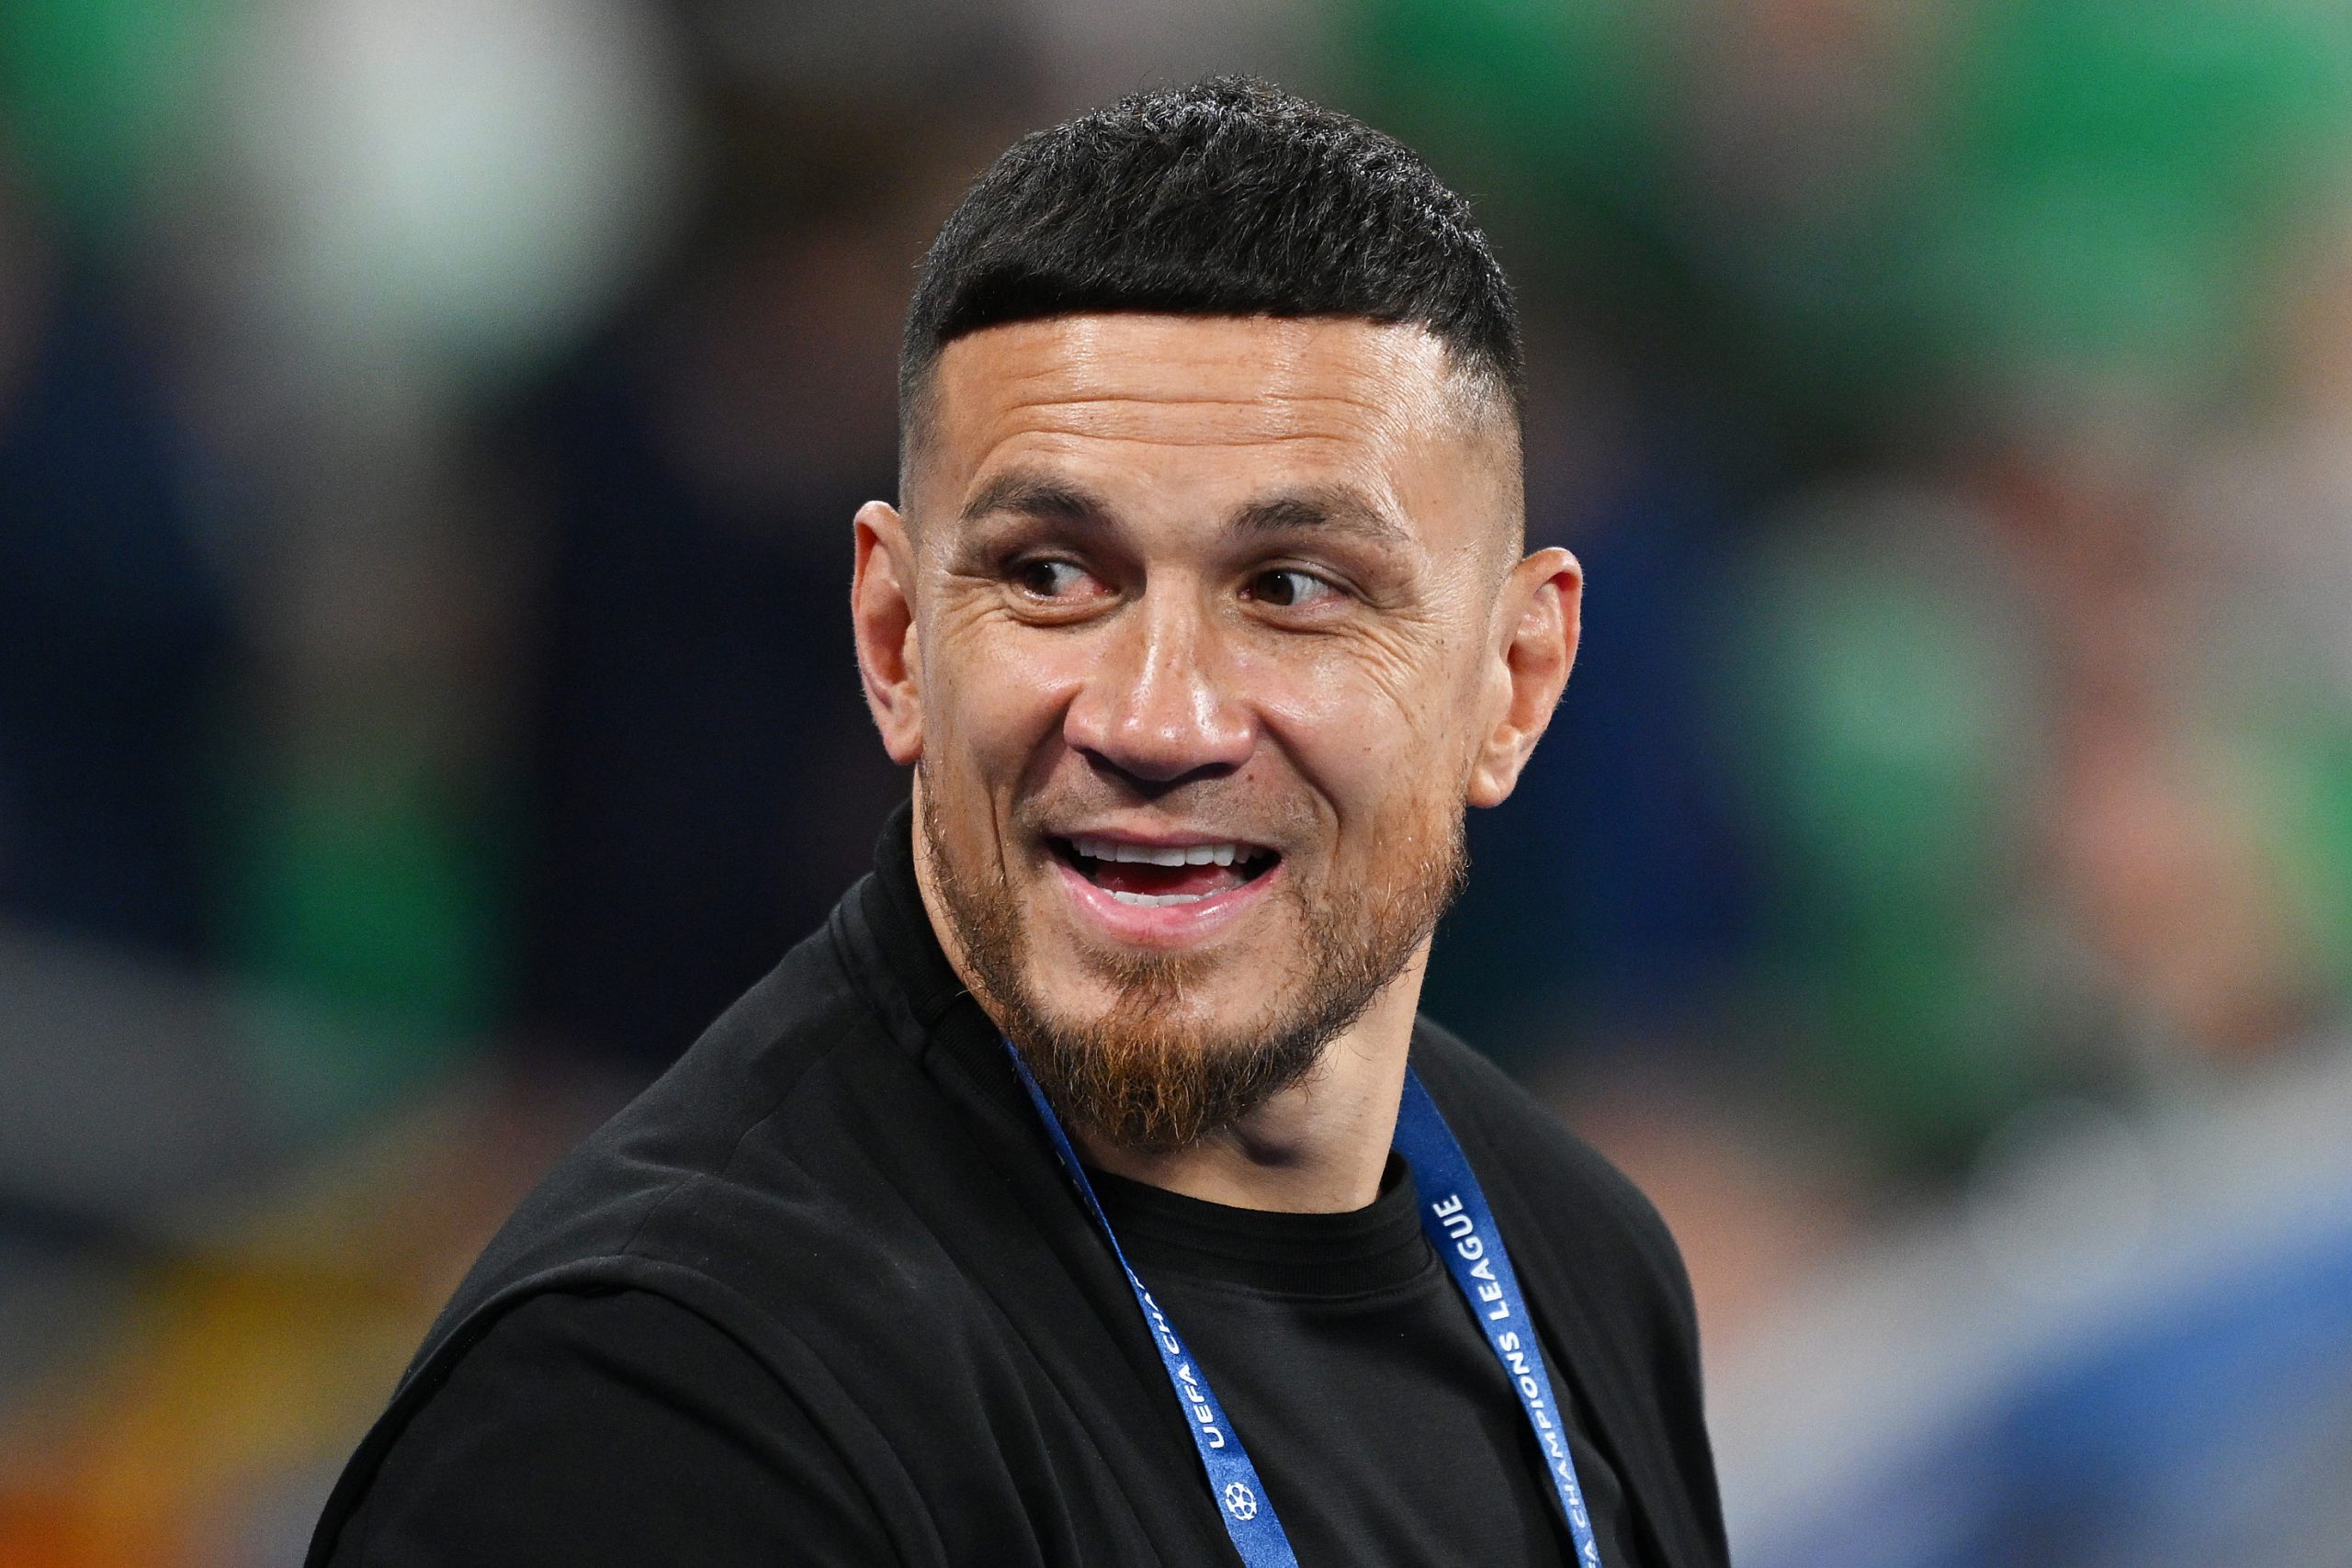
x,y
1145,1073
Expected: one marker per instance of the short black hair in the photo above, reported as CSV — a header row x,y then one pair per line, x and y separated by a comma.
x,y
1227,197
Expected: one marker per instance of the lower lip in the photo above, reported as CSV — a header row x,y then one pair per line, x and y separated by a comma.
x,y
1164,925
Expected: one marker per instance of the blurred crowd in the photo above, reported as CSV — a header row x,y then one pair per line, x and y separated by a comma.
x,y
428,436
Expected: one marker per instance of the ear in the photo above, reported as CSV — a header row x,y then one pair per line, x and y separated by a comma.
x,y
1537,621
882,609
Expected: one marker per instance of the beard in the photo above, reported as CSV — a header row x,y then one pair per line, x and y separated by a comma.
x,y
1148,1073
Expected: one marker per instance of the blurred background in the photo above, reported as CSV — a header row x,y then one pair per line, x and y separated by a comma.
x,y
428,436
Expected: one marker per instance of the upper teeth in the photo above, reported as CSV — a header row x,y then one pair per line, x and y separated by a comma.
x,y
1160,855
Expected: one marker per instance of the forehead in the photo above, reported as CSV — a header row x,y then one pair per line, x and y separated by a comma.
x,y
1246,397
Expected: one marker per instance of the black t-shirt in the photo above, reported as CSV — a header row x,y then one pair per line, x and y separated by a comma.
x,y
822,1295
1385,1430
611,1430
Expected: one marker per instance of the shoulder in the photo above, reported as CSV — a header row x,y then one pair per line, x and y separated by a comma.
x,y
1582,1235
1604,1276
704,1155
793,1173
673,1248
569,1400
1520,1145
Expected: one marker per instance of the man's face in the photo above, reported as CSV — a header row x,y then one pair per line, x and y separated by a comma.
x,y
1201,632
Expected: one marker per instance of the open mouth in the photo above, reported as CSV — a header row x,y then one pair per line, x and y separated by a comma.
x,y
1156,875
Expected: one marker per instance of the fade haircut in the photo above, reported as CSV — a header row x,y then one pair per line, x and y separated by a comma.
x,y
1228,198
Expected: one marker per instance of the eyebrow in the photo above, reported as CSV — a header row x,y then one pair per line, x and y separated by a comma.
x,y
1337,509
1035,495
1333,508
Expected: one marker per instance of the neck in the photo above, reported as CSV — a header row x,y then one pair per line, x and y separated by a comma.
x,y
1316,1147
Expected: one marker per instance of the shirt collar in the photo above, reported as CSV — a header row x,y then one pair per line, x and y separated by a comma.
x,y
885,937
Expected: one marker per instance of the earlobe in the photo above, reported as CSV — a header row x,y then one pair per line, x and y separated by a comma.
x,y
1539,613
882,614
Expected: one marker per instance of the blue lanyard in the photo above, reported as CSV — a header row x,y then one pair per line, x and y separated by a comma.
x,y
1455,1218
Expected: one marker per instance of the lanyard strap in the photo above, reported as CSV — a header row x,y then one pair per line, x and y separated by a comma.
x,y
1455,1218
1460,1226
1242,1498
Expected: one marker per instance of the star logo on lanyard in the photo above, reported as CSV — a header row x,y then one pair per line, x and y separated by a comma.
x,y
1240,1502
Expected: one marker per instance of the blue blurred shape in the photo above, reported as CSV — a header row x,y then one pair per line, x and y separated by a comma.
x,y
2216,1428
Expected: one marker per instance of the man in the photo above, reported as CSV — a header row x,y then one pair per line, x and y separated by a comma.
x,y
1204,619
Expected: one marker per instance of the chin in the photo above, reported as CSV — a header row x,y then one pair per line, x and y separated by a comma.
x,y
1149,1073
1179,1020
1159,1029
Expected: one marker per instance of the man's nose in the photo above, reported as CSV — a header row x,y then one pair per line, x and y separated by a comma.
x,y
1158,703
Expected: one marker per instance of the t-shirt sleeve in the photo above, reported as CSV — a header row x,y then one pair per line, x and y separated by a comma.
x,y
598,1431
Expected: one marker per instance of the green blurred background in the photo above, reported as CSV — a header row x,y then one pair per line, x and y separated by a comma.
x,y
428,433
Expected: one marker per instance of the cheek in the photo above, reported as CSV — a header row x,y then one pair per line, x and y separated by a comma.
x,y
995,698
1365,723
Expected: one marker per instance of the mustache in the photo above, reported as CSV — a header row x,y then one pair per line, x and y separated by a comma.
x,y
1245,813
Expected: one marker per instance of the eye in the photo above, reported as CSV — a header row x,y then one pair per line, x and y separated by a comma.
x,y
1287,586
1045,577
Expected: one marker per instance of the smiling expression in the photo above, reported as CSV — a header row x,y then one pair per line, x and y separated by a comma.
x,y
1203,631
